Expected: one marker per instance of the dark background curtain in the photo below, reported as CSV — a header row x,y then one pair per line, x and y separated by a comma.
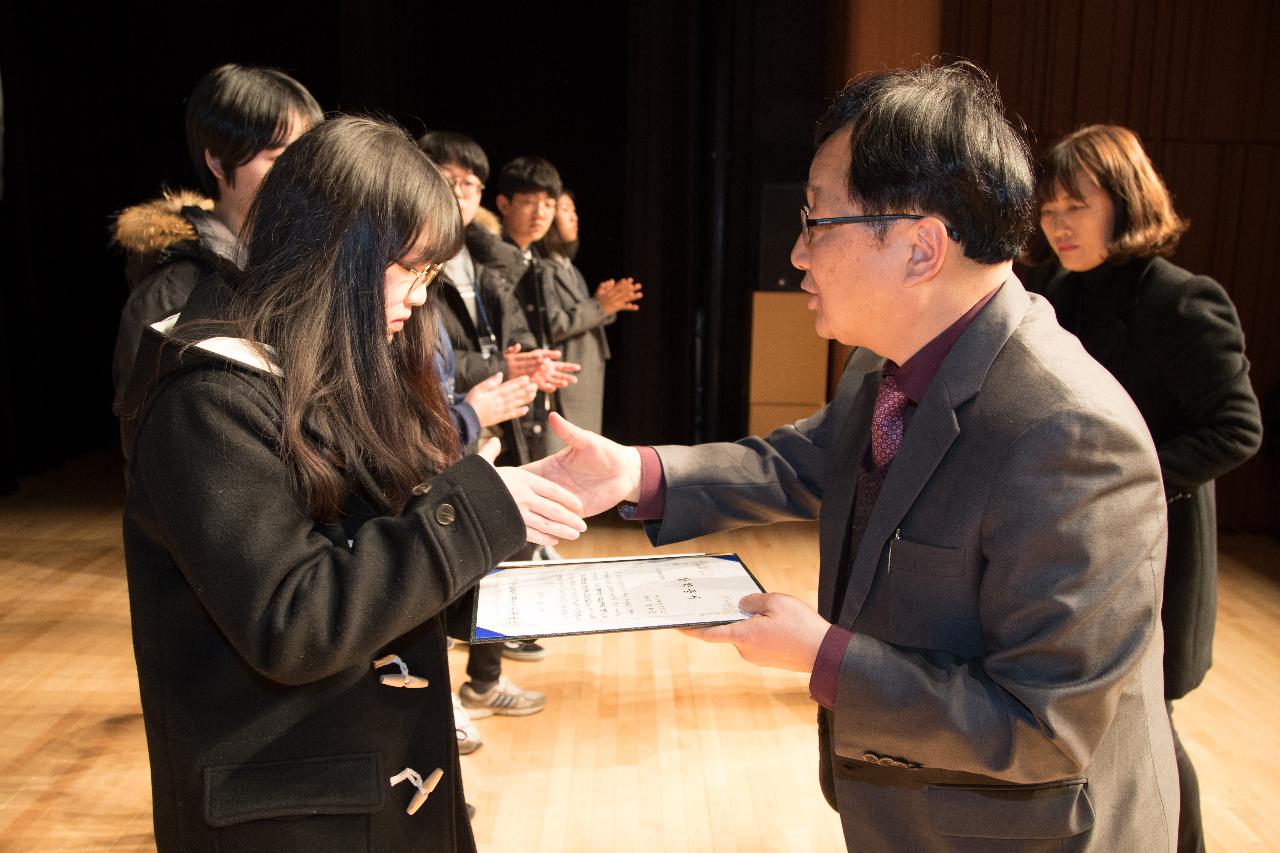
x,y
1197,81
664,117
667,117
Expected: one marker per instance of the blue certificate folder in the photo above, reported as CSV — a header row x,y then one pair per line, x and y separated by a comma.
x,y
531,600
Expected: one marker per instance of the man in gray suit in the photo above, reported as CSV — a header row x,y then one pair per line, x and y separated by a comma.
x,y
985,652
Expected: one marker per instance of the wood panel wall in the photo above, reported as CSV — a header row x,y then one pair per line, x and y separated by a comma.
x,y
1197,81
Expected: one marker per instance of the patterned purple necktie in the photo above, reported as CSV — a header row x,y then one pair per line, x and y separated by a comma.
x,y
886,422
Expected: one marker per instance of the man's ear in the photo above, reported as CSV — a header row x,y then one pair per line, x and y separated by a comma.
x,y
929,249
503,203
215,166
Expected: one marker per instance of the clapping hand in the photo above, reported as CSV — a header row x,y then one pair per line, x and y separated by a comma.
x,y
543,366
599,472
620,295
550,512
495,401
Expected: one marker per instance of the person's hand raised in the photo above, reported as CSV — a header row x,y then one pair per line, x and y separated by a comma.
x,y
495,401
620,295
543,366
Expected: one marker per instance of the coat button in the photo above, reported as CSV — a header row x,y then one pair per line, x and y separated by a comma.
x,y
870,757
422,488
886,762
445,514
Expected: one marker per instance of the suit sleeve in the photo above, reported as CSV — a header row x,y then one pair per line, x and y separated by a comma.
x,y
1206,370
723,486
1072,543
295,604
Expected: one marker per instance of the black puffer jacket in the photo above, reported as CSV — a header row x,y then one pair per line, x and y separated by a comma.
x,y
172,242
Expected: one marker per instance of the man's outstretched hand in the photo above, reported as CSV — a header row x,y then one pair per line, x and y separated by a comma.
x,y
598,471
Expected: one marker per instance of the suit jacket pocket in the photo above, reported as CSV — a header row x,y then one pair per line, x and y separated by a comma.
x,y
924,597
331,785
907,556
1051,810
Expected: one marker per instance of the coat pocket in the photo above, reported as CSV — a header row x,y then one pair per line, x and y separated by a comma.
x,y
1050,810
904,555
287,790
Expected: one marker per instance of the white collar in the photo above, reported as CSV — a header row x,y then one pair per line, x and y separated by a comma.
x,y
234,349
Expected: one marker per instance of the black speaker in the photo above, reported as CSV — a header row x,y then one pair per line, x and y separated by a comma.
x,y
779,227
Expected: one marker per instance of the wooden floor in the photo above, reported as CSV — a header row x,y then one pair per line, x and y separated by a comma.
x,y
650,741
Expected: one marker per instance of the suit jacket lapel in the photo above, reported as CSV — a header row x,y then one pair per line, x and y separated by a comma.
x,y
839,487
934,428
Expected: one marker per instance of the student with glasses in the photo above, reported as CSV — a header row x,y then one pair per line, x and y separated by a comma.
x,y
299,522
489,335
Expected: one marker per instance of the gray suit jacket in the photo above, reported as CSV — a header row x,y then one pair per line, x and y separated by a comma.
x,y
577,323
1003,687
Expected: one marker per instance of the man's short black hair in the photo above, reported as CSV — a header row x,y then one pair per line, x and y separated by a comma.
x,y
529,174
935,140
446,147
236,111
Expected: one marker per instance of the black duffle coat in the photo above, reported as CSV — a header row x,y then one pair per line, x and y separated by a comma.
x,y
257,629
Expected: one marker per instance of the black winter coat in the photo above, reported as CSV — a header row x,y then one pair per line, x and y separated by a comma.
x,y
256,627
478,347
1174,342
171,246
530,279
506,325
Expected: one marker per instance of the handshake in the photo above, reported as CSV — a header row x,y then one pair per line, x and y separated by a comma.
x,y
590,475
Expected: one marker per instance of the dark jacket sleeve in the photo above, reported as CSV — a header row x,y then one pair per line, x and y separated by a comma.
x,y
297,605
466,421
1206,369
470,367
504,309
158,295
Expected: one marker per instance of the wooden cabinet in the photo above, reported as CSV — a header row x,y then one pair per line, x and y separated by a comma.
x,y
788,361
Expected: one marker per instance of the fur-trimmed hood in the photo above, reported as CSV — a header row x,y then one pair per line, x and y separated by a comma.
x,y
489,221
156,225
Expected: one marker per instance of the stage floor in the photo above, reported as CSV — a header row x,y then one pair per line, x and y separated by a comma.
x,y
650,741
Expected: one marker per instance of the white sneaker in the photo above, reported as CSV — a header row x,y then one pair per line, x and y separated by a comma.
x,y
504,698
469,739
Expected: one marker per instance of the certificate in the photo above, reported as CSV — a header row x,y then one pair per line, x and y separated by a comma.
x,y
528,600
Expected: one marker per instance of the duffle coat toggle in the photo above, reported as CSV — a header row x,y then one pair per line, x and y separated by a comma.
x,y
424,786
404,679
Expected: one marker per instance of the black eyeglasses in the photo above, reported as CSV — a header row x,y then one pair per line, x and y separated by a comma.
x,y
807,223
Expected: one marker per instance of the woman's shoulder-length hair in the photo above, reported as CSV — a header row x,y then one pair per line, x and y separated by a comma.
x,y
1146,224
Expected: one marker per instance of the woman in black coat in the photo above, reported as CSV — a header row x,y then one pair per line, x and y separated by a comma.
x,y
298,522
1174,342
